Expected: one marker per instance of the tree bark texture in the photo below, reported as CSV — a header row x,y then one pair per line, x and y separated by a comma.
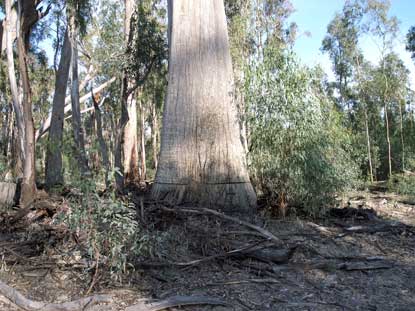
x,y
101,140
201,157
54,174
388,141
143,171
16,99
26,21
126,154
76,110
154,134
369,153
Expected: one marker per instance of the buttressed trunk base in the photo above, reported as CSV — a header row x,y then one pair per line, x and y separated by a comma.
x,y
201,157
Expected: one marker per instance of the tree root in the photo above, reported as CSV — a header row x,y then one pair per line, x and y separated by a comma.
x,y
24,303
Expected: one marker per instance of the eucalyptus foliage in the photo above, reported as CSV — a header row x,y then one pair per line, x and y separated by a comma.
x,y
298,149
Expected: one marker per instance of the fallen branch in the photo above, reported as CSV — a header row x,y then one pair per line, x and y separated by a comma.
x,y
198,261
24,303
351,266
262,231
176,301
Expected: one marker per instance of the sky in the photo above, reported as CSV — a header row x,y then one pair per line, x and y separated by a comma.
x,y
314,15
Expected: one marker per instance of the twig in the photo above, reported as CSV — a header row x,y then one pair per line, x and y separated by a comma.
x,y
260,281
94,278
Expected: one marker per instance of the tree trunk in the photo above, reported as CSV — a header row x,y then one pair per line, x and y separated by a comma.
x,y
388,141
45,125
53,172
201,157
28,185
369,153
402,137
16,99
154,133
76,111
101,140
126,155
143,173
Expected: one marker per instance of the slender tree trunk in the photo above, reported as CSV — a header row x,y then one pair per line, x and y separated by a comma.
x,y
76,111
143,174
402,137
16,99
201,157
154,134
101,140
28,186
369,153
126,155
388,141
53,172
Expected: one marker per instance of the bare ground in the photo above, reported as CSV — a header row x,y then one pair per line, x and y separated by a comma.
x,y
361,256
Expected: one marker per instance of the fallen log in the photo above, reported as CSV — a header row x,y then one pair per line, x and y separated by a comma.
x,y
24,303
176,301
7,192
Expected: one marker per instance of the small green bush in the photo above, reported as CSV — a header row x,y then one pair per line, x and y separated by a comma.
x,y
107,226
402,184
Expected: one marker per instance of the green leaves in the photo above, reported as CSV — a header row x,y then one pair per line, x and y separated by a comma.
x,y
147,47
298,149
410,44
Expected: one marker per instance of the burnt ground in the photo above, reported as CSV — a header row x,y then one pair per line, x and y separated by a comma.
x,y
360,256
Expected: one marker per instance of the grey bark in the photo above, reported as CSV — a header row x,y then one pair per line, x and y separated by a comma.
x,y
53,172
201,158
78,130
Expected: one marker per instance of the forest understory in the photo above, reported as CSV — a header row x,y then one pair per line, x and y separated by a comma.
x,y
359,256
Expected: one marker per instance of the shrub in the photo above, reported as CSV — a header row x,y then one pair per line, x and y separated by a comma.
x,y
107,227
298,148
402,184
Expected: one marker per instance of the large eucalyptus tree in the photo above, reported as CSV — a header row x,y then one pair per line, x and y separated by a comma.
x,y
201,157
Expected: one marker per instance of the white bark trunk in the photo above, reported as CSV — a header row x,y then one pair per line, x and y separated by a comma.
x,y
201,158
